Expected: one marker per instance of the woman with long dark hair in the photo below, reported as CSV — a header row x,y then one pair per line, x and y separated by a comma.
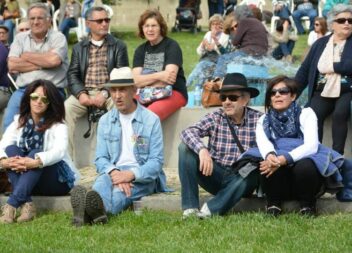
x,y
33,151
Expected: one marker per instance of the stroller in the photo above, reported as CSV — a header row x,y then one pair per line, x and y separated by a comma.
x,y
187,14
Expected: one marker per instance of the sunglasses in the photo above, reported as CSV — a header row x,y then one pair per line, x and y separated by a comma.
x,y
281,91
24,29
232,98
100,21
233,27
343,20
35,96
317,24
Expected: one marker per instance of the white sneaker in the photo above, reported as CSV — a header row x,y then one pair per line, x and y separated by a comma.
x,y
204,212
190,212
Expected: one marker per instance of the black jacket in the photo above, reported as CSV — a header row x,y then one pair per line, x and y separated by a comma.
x,y
117,58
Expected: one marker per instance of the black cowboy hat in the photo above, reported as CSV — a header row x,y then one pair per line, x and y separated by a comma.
x,y
237,81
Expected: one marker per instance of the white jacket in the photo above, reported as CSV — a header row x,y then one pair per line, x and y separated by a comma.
x,y
55,144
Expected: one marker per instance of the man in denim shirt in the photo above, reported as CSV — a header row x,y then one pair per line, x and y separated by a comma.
x,y
129,156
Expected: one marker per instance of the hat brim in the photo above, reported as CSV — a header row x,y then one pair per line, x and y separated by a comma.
x,y
4,27
119,83
252,91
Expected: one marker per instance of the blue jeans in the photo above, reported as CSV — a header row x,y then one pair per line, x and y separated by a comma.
x,y
65,26
227,186
33,182
11,25
283,49
13,106
115,201
217,7
298,14
201,73
224,60
283,13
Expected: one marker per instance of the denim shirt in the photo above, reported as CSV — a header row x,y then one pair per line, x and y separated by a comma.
x,y
148,147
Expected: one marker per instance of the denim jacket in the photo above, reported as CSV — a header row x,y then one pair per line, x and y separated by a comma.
x,y
148,147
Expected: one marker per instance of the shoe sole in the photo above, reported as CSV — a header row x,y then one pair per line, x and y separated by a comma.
x,y
95,208
78,203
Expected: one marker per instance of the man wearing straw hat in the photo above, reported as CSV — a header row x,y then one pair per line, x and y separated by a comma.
x,y
129,156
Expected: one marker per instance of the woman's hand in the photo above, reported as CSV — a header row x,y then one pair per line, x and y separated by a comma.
x,y
168,76
270,165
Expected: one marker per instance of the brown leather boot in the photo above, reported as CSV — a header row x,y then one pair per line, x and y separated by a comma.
x,y
8,214
28,212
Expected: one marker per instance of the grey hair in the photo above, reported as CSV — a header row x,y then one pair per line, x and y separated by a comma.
x,y
242,11
336,10
40,6
89,12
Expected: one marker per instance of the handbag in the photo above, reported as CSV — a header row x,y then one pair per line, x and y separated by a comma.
x,y
148,95
211,92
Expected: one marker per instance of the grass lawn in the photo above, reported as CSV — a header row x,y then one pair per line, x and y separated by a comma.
x,y
165,232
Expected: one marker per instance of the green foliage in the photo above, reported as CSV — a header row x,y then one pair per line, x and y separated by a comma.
x,y
166,232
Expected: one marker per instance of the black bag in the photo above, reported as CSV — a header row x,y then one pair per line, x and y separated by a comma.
x,y
93,114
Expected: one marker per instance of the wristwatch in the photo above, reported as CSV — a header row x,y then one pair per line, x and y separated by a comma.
x,y
105,94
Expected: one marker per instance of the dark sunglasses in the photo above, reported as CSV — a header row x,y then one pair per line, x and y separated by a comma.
x,y
232,98
343,20
35,96
24,29
100,21
282,91
317,24
234,26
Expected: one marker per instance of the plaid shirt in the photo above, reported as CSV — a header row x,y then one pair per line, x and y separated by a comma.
x,y
97,71
221,145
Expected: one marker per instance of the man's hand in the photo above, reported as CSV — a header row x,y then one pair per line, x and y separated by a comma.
x,y
119,177
99,100
205,162
84,99
126,188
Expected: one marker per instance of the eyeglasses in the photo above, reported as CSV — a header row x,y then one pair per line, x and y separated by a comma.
x,y
24,29
35,96
100,21
232,98
233,27
317,24
343,20
281,91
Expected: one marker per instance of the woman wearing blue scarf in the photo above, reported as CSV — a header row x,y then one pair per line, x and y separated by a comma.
x,y
33,151
295,163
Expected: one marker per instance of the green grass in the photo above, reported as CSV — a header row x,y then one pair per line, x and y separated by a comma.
x,y
165,232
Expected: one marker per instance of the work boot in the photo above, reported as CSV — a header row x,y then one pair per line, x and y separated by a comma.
x,y
8,214
28,212
78,203
95,208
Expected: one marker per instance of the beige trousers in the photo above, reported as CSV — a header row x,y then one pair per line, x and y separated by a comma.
x,y
74,111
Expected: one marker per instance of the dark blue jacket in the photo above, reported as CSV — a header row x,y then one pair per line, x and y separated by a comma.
x,y
4,80
308,73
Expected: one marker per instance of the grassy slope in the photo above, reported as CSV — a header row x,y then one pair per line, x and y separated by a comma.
x,y
166,232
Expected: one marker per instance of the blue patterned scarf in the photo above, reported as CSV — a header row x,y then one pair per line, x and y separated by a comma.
x,y
283,124
31,139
